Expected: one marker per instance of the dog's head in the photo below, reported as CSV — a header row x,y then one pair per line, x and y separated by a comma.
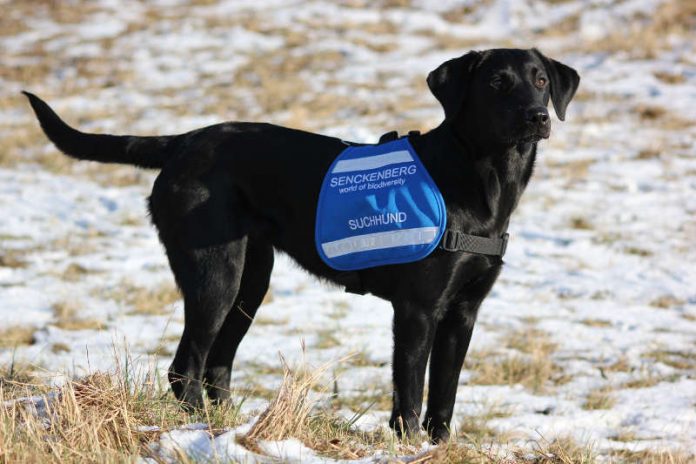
x,y
501,95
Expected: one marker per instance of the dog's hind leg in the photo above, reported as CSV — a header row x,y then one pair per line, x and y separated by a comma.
x,y
200,227
256,277
209,280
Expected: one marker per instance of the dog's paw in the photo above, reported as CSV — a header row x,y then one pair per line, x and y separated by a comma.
x,y
217,395
437,430
187,391
405,427
216,383
439,435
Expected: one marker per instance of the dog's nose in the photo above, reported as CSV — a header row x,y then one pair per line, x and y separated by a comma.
x,y
538,116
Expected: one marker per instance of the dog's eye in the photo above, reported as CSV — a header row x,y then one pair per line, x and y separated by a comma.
x,y
541,82
497,82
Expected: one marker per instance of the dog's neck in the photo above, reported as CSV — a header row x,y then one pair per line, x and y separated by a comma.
x,y
481,188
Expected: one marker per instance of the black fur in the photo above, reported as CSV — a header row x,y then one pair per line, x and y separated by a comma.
x,y
228,194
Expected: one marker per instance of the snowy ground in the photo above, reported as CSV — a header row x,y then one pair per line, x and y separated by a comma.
x,y
601,256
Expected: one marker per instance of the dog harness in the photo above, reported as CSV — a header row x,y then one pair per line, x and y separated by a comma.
x,y
378,205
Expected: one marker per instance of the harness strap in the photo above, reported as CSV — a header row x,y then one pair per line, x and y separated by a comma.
x,y
454,240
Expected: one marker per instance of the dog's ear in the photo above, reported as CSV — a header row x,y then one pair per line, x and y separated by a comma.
x,y
450,81
564,81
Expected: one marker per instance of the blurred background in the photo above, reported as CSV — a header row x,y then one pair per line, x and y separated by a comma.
x,y
599,267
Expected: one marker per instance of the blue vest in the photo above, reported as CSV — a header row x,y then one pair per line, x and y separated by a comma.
x,y
378,205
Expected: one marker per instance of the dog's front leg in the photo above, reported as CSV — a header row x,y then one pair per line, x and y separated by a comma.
x,y
450,346
449,350
414,327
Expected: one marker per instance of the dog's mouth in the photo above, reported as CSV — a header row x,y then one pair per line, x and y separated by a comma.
x,y
527,134
536,134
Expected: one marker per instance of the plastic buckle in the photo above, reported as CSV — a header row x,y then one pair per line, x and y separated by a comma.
x,y
449,241
503,246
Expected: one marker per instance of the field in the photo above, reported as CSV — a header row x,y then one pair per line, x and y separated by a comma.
x,y
584,352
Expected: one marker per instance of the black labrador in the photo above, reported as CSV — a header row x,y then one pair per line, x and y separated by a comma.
x,y
228,194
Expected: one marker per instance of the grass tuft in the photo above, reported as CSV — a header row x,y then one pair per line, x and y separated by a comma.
x,y
475,428
155,301
596,322
97,418
531,364
667,302
18,379
14,259
563,450
286,415
17,335
652,457
674,358
600,398
326,339
66,317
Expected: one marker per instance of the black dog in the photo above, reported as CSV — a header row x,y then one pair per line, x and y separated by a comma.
x,y
228,194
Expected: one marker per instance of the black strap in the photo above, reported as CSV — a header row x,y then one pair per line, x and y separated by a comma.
x,y
454,240
393,135
388,137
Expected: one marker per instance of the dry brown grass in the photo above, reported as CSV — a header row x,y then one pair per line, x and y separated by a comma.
x,y
476,428
60,348
670,78
563,450
531,365
535,373
291,413
21,144
667,301
161,350
624,435
74,244
326,339
363,359
647,36
673,358
661,117
600,398
460,13
644,379
97,419
455,453
581,223
17,335
652,457
66,317
620,365
532,341
74,272
19,379
13,259
596,322
144,301
375,395
286,415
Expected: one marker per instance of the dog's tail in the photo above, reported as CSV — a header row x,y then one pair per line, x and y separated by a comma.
x,y
145,152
